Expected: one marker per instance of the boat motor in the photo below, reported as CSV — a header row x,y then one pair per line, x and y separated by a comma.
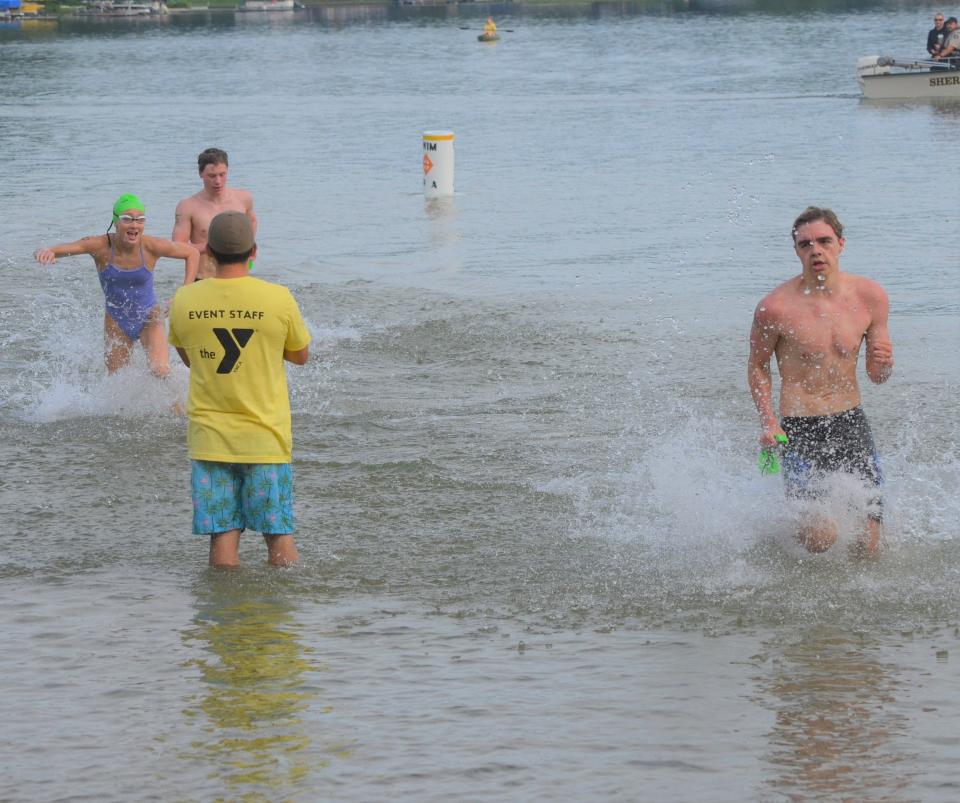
x,y
874,65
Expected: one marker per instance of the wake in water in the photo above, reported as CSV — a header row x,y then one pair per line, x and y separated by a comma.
x,y
53,341
491,458
709,535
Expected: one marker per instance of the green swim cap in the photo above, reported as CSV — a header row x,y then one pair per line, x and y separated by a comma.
x,y
125,202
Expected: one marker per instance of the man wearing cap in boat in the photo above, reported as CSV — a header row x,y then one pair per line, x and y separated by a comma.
x,y
950,50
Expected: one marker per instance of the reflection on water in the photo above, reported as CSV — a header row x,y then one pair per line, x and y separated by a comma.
x,y
834,735
255,690
944,107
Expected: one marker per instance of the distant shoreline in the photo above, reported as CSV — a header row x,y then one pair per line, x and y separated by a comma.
x,y
56,11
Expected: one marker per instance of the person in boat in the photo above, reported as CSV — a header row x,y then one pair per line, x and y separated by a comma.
x,y
193,215
950,50
936,35
490,28
125,264
814,324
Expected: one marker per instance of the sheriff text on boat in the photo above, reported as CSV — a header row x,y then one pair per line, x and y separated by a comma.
x,y
889,78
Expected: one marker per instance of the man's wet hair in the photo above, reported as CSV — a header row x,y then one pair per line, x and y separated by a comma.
x,y
814,213
212,156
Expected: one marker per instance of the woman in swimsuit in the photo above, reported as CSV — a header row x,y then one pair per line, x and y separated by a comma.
x,y
125,263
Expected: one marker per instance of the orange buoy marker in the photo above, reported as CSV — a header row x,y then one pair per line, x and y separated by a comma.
x,y
437,163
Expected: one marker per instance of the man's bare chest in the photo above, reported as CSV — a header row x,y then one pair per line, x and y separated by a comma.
x,y
825,332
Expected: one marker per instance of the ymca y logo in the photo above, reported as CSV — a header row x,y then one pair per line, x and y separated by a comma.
x,y
231,346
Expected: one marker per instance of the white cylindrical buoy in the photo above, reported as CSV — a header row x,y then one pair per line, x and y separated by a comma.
x,y
437,163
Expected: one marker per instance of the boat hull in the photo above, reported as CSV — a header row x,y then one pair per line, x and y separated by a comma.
x,y
936,84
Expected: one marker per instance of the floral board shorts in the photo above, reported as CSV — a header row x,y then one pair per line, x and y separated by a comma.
x,y
240,496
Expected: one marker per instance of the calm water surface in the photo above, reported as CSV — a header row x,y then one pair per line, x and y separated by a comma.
x,y
538,562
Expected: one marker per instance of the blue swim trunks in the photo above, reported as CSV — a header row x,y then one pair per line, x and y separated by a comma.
x,y
240,496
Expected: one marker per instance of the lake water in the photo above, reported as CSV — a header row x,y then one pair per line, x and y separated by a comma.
x,y
538,560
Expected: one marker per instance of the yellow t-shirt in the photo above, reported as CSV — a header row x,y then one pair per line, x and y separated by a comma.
x,y
234,331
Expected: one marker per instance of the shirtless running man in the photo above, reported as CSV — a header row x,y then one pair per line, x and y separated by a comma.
x,y
193,215
814,324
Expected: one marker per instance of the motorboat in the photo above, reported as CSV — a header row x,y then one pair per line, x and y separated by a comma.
x,y
889,78
126,8
267,5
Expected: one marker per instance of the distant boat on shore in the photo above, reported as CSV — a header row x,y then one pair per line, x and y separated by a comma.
x,y
125,8
266,5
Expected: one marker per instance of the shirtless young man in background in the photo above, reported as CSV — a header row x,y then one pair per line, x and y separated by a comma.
x,y
193,215
814,324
